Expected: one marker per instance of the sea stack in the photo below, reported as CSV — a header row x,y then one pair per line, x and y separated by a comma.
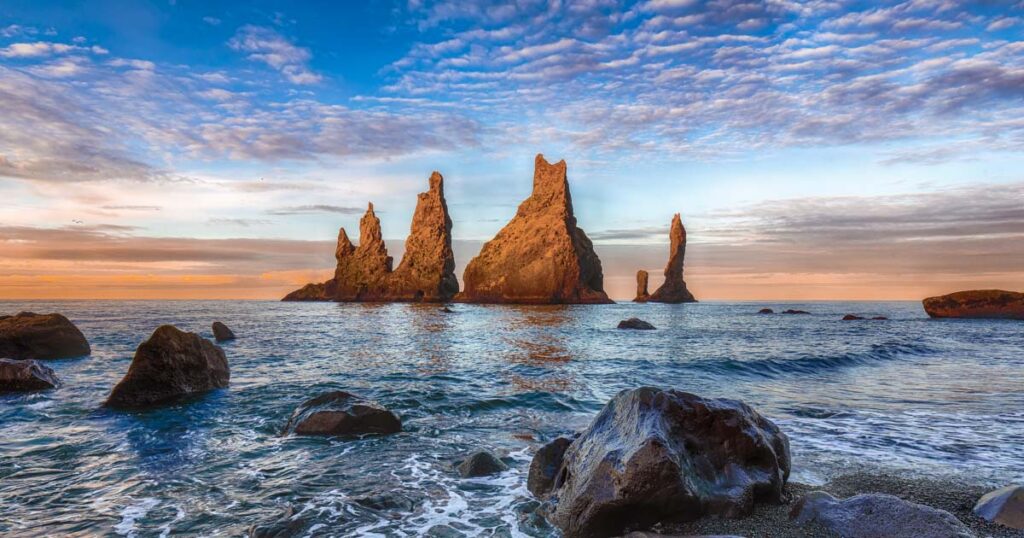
x,y
364,273
673,290
540,256
641,287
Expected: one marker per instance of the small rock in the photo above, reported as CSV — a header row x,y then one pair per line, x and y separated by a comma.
x,y
880,318
766,311
791,311
170,365
288,524
640,534
851,317
873,515
447,310
1004,506
341,413
40,336
388,501
24,376
221,332
545,466
481,463
636,323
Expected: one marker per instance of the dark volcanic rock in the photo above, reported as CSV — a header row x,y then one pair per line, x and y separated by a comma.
x,y
661,456
673,290
636,323
1004,506
766,311
540,256
641,287
997,304
364,273
545,466
170,365
25,375
876,515
791,311
221,332
40,336
341,413
851,317
481,463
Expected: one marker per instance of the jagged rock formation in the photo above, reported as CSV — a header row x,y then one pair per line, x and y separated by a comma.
x,y
26,335
673,290
642,296
364,273
995,304
540,256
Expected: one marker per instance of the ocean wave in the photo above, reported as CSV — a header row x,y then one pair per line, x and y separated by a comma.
x,y
816,364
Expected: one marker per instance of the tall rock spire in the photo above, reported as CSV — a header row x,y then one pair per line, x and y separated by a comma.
x,y
673,290
540,256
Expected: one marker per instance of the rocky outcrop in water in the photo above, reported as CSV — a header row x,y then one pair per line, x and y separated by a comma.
x,y
170,365
1004,506
481,463
25,375
873,515
766,311
642,295
40,336
995,304
673,290
341,413
540,256
364,273
221,332
636,324
664,456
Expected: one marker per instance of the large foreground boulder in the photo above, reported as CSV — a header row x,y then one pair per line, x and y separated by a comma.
x,y
40,336
875,515
674,290
341,413
24,376
170,365
1004,506
656,455
996,304
540,256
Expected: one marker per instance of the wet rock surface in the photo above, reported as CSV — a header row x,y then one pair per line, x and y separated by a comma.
x,y
851,317
25,376
343,414
1004,506
168,366
540,256
365,274
481,463
874,515
545,466
636,324
993,304
656,455
766,311
27,335
221,332
674,290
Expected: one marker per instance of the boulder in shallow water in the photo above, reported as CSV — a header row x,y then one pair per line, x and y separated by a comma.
x,y
766,311
481,463
851,317
995,304
874,515
170,365
545,466
636,323
342,413
1004,506
40,336
24,376
656,455
221,332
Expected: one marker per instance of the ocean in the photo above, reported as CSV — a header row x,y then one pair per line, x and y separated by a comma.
x,y
910,396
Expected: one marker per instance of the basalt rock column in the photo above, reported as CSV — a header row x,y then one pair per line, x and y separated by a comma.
x,y
642,296
673,290
540,256
362,273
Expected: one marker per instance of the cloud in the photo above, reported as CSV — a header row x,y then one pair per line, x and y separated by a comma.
x,y
271,48
212,21
317,208
245,223
45,48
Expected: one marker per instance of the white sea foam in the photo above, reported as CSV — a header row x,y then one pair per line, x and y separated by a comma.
x,y
132,513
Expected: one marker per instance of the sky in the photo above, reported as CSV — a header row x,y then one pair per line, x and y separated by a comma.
x,y
824,149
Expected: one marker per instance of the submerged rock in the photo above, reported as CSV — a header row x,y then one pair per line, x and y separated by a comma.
x,y
221,332
481,463
851,317
791,311
995,304
27,335
874,515
880,318
636,323
170,365
673,290
540,256
25,376
1004,506
342,413
664,456
364,273
641,287
766,311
